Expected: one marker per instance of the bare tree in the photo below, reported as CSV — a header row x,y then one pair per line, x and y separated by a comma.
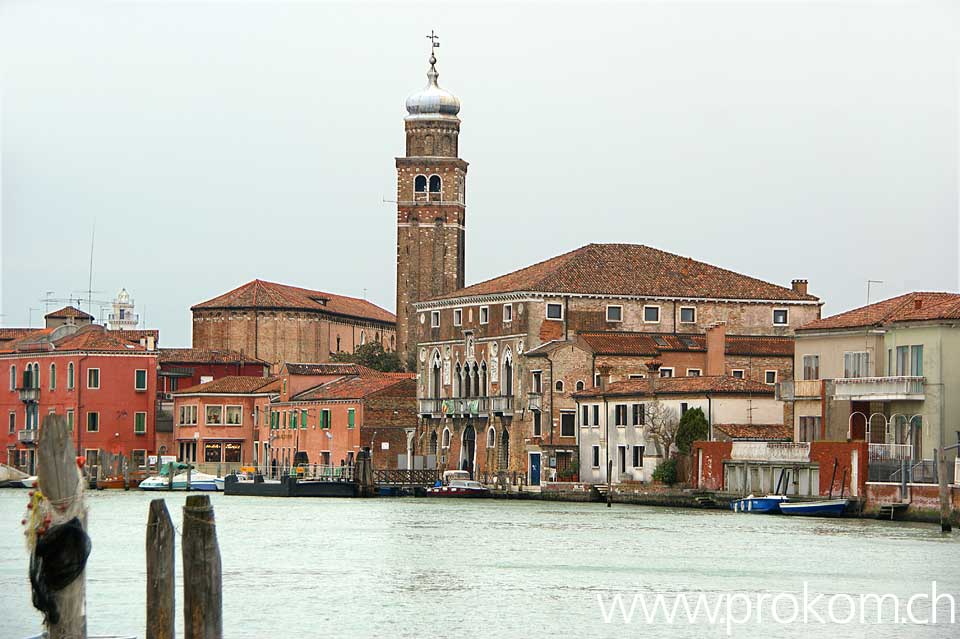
x,y
662,425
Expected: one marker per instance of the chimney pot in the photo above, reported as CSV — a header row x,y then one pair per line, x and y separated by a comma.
x,y
918,303
799,286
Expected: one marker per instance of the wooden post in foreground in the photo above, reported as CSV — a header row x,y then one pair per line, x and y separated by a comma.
x,y
945,509
202,579
60,482
160,572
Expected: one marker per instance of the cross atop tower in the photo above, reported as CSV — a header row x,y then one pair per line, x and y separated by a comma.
x,y
434,42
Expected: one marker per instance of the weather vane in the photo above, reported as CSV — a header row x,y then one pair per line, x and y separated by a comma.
x,y
434,41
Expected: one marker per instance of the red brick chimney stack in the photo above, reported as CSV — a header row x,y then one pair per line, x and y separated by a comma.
x,y
653,372
800,286
604,371
716,348
918,303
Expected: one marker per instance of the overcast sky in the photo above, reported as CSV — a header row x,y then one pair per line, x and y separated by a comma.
x,y
219,142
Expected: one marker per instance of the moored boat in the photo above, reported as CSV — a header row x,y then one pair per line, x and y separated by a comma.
x,y
770,504
457,483
181,480
826,508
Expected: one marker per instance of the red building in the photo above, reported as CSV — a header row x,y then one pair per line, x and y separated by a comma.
x,y
104,384
182,368
216,422
330,422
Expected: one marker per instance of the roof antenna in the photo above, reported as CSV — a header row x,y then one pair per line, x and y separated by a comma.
x,y
93,236
869,282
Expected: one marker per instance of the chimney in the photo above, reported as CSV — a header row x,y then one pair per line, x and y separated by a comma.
x,y
918,303
799,286
653,372
716,348
604,371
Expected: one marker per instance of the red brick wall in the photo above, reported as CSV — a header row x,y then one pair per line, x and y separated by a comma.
x,y
712,454
824,453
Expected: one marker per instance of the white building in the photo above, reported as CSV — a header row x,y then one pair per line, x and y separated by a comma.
x,y
613,420
122,317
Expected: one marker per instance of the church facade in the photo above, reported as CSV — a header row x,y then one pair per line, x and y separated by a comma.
x,y
494,391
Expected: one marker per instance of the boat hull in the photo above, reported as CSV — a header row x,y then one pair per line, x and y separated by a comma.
x,y
758,505
201,483
289,487
454,491
828,508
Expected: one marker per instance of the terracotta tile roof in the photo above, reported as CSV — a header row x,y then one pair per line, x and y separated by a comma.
x,y
269,295
36,339
395,407
756,432
137,334
204,356
331,368
68,312
96,338
10,334
914,306
718,384
766,345
234,385
347,388
630,269
641,343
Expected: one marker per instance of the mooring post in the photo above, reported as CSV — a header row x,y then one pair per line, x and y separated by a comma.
x,y
169,475
609,483
61,483
160,572
945,524
189,471
202,578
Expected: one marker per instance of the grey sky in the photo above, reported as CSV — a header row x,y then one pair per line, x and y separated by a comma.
x,y
216,143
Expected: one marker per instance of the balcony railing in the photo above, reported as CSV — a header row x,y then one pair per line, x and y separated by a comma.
x,y
771,451
28,395
464,406
28,436
535,401
126,317
890,452
878,388
798,389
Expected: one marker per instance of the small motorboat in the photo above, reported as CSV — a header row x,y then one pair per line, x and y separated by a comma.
x,y
826,508
768,505
459,488
197,480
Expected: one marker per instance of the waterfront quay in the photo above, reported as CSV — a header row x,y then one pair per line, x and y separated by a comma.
x,y
411,567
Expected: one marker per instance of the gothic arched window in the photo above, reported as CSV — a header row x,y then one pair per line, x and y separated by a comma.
x,y
435,183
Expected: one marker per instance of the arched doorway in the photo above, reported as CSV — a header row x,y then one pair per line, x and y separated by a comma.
x,y
468,449
503,459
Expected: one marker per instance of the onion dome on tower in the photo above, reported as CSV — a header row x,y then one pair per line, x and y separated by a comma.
x,y
432,102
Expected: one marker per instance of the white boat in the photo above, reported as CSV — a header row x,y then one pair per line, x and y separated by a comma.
x,y
198,481
14,478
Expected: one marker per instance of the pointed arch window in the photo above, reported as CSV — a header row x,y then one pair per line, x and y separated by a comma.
x,y
446,438
435,371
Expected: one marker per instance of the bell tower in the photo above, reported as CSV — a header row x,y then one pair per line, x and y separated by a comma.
x,y
431,205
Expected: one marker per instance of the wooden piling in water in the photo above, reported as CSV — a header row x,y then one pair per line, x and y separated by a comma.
x,y
945,524
60,481
161,542
202,577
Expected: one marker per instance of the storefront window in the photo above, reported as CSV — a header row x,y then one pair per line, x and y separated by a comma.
x,y
211,451
231,451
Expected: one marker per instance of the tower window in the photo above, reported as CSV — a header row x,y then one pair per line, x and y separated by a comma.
x,y
420,184
434,183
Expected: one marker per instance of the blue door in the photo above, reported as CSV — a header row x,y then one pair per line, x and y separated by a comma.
x,y
534,469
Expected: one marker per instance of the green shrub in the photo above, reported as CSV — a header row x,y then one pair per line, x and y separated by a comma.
x,y
693,427
666,472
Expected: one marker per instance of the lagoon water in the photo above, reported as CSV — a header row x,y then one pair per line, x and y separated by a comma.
x,y
483,568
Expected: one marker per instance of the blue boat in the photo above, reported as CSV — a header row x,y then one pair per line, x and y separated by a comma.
x,y
759,505
827,508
